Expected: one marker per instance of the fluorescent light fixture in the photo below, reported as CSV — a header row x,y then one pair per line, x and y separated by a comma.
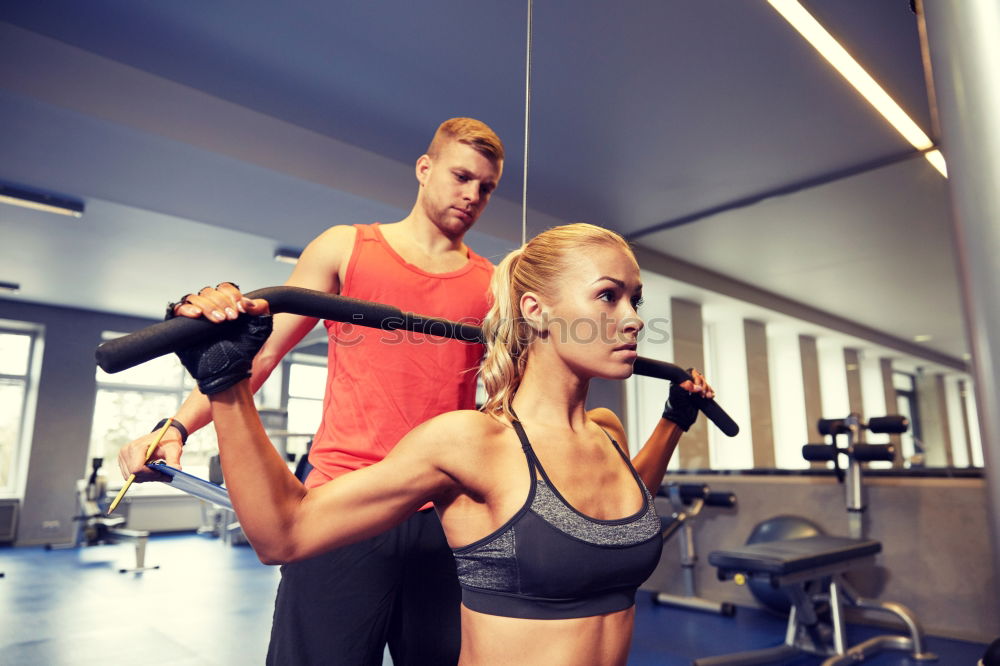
x,y
843,62
10,286
937,160
923,338
39,201
286,255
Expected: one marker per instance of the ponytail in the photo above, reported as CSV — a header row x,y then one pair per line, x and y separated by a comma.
x,y
507,337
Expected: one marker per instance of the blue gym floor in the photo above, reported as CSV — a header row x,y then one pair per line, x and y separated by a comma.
x,y
210,605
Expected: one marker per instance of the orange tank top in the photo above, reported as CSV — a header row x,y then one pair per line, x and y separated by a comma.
x,y
382,384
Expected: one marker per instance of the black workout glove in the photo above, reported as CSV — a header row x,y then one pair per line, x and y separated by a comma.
x,y
221,363
681,407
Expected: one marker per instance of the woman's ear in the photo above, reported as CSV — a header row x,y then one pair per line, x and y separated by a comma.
x,y
535,312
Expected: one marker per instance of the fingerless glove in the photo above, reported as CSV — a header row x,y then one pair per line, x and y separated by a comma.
x,y
223,362
681,407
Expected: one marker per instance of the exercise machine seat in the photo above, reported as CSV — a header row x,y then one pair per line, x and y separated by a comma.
x,y
779,558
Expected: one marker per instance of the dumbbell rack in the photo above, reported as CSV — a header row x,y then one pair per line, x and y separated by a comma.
x,y
857,453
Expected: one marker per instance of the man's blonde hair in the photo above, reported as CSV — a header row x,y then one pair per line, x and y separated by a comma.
x,y
472,132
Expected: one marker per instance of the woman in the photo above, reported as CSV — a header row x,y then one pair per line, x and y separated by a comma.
x,y
552,527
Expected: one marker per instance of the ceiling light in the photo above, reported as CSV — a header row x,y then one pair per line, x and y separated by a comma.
x,y
937,160
10,286
39,201
923,338
286,255
843,62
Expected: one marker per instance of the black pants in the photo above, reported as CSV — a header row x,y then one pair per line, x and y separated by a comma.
x,y
343,607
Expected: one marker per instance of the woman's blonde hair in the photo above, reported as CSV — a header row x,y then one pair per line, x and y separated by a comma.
x,y
533,267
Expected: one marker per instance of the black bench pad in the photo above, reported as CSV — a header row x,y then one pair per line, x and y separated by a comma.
x,y
793,555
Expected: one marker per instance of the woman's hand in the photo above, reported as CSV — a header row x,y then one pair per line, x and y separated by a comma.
x,y
223,303
681,407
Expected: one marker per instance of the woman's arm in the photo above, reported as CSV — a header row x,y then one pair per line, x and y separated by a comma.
x,y
678,415
286,522
652,459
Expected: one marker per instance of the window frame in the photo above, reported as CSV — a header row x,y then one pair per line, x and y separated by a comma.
x,y
179,390
22,440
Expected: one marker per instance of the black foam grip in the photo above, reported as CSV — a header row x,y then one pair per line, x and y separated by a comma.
x,y
819,452
648,367
169,336
720,498
831,427
692,491
868,452
893,424
179,332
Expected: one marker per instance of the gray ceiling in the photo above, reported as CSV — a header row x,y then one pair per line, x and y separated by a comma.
x,y
202,135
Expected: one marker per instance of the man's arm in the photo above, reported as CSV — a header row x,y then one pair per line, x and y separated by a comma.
x,y
319,268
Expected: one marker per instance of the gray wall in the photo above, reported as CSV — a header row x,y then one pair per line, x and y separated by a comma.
x,y
936,555
689,352
609,394
61,434
759,386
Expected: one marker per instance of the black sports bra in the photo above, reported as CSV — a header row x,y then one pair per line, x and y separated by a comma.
x,y
549,561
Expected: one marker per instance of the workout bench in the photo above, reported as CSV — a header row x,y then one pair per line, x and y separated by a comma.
x,y
811,571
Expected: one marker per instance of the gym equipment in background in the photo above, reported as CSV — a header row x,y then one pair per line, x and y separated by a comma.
x,y
94,527
688,500
810,570
992,655
857,453
779,528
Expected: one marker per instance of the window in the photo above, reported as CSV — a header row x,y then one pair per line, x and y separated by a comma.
x,y
131,402
906,404
304,399
20,350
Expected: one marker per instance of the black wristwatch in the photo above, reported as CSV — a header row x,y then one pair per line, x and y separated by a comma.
x,y
174,423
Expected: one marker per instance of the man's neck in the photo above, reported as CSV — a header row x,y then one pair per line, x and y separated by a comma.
x,y
429,250
417,231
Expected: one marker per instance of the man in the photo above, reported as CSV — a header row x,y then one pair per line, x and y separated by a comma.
x,y
399,587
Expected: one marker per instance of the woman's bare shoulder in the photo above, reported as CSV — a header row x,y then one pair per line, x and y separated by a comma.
x,y
608,420
466,444
467,428
464,425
